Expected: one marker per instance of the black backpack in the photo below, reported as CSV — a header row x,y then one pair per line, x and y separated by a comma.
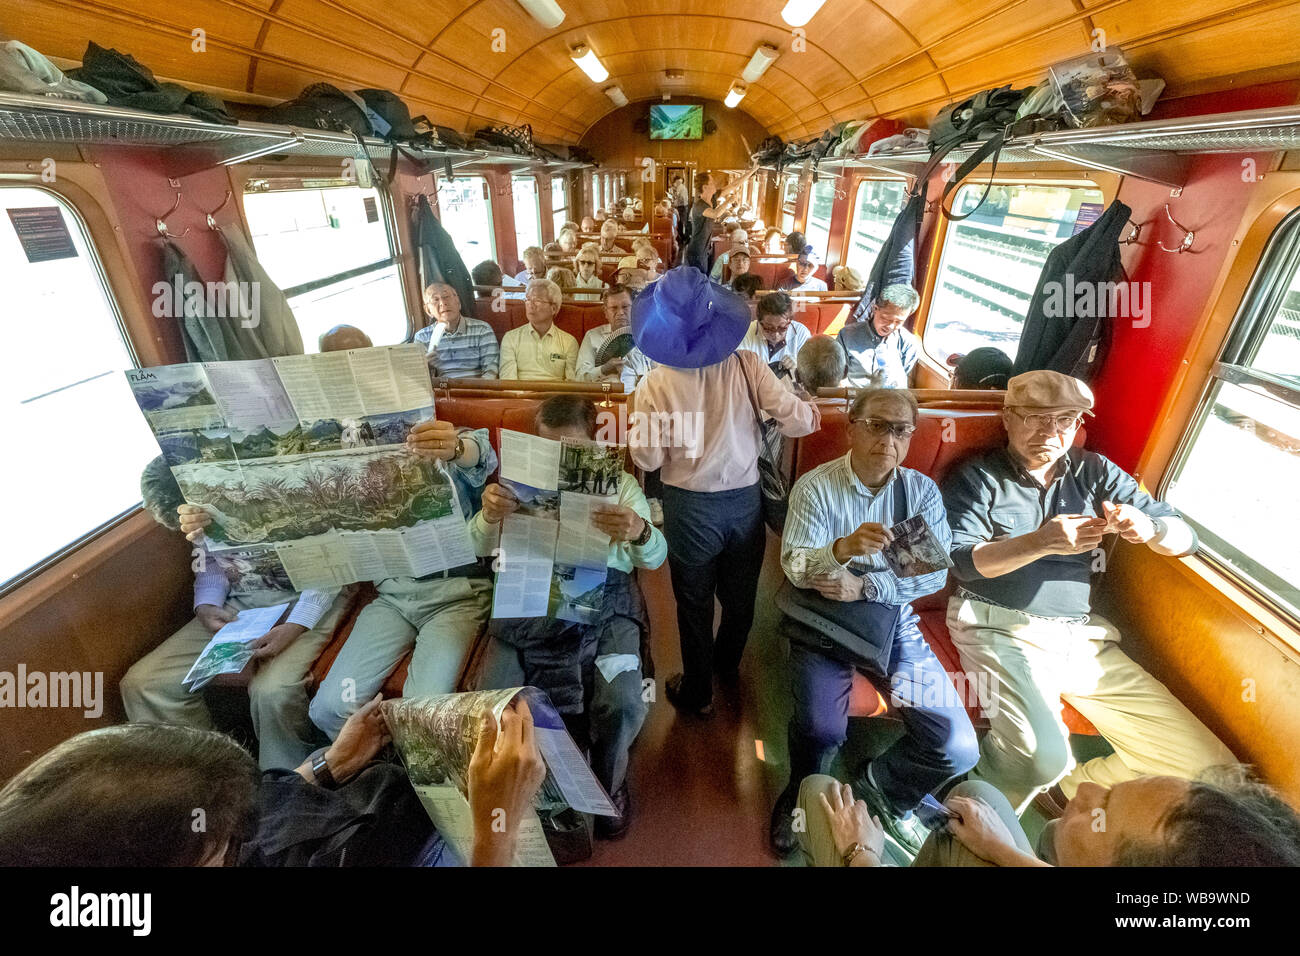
x,y
392,111
321,106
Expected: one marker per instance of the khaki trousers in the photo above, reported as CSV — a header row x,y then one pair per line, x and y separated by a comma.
x,y
1034,664
277,693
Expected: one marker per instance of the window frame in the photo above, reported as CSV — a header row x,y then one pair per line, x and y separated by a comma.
x,y
492,220
537,198
846,252
790,206
556,211
96,261
1260,301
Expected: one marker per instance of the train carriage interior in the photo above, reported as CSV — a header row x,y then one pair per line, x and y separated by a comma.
x,y
222,185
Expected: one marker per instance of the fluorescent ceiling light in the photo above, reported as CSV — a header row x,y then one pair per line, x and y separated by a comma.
x,y
618,96
798,12
587,62
545,12
763,57
735,95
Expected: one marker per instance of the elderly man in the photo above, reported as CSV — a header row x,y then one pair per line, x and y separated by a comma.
x,y
617,303
534,265
803,279
880,351
836,533
608,234
540,351
739,243
696,416
1225,818
820,364
775,335
1028,522
588,225
344,337
456,346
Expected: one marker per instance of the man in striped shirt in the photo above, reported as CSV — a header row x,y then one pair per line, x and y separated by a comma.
x,y
456,345
837,528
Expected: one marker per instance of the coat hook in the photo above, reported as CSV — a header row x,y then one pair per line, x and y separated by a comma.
x,y
1188,238
161,221
212,223
1135,230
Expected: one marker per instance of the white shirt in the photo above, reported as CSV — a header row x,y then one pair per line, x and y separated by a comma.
x,y
635,366
592,343
593,283
811,284
795,337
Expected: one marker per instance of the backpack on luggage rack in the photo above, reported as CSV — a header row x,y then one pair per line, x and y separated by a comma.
x,y
322,106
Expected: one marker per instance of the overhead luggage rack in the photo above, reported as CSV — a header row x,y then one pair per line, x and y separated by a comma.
x,y
1158,151
192,144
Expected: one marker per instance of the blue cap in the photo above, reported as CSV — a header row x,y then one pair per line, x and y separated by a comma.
x,y
685,320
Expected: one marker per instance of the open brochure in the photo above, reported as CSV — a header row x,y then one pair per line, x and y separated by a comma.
x,y
230,649
915,550
552,559
301,461
435,737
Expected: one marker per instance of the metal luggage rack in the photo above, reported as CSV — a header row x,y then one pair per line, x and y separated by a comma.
x,y
192,144
1158,151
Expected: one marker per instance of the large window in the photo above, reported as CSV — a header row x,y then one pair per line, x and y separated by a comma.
x,y
818,232
528,213
465,207
559,203
877,206
1236,476
991,262
789,196
77,441
326,244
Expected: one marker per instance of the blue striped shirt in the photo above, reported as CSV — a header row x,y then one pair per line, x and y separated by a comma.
x,y
830,502
471,351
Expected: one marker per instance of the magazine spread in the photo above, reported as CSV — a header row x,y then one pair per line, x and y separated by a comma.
x,y
552,559
915,550
301,461
435,737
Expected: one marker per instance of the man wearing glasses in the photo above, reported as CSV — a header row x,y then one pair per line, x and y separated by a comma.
x,y
1028,525
616,302
775,335
836,530
540,351
880,351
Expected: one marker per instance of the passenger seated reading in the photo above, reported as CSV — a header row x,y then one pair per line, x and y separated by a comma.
x,y
836,532
592,669
457,345
880,351
774,335
344,337
1028,522
534,265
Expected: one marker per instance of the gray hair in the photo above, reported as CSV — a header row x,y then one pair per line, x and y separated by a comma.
x,y
900,294
875,394
552,290
820,363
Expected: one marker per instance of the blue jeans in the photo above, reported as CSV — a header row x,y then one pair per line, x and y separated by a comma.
x,y
939,742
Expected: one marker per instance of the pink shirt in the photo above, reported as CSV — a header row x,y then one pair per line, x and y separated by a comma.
x,y
699,426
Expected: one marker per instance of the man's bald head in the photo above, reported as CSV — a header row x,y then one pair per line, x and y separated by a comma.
x,y
344,337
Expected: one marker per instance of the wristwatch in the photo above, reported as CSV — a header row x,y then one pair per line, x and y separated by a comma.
x,y
852,852
320,769
460,448
644,537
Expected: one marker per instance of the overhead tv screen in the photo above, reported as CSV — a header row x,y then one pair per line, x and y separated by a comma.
x,y
676,122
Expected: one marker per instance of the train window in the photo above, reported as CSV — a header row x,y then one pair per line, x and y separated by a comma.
x,y
559,202
991,262
326,244
877,204
818,230
466,206
789,196
528,213
1236,475
62,362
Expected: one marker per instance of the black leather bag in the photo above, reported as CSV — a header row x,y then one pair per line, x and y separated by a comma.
x,y
860,633
321,106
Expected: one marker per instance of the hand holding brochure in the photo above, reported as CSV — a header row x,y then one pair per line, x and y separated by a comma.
x,y
915,550
230,649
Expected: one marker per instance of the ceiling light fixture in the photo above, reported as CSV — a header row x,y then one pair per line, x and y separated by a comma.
x,y
545,12
735,95
763,57
616,95
585,57
798,12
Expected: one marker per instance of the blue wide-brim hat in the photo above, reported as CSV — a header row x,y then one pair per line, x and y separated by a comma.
x,y
688,321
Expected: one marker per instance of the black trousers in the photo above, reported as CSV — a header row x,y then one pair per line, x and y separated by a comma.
x,y
715,550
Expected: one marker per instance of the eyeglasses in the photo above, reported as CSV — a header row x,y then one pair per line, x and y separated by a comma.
x,y
1052,423
587,262
878,427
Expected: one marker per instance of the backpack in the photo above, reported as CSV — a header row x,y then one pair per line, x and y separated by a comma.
x,y
392,112
322,106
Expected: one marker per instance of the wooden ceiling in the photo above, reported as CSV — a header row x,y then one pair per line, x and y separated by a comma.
x,y
901,58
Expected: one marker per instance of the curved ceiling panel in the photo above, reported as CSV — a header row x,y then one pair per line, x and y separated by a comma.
x,y
471,64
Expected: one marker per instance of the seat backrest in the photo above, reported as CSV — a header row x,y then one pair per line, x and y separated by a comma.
x,y
498,319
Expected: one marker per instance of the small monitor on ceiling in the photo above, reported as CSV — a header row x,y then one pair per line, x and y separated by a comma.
x,y
676,121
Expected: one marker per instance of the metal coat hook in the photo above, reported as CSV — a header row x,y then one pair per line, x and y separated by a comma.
x,y
161,221
212,223
1135,230
1188,235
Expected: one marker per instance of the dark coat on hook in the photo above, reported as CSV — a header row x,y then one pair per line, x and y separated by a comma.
x,y
439,260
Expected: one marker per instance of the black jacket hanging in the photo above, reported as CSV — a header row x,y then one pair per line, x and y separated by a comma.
x,y
896,261
439,260
1067,325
